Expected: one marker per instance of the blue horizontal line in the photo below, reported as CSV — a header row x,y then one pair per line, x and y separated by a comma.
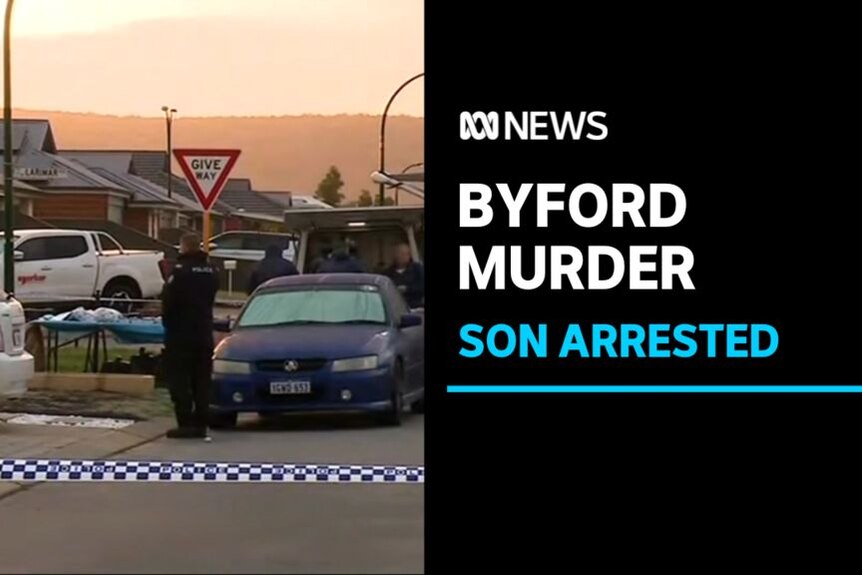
x,y
654,388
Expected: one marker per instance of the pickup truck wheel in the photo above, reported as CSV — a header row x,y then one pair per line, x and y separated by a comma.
x,y
121,289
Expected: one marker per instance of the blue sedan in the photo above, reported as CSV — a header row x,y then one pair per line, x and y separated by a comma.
x,y
324,342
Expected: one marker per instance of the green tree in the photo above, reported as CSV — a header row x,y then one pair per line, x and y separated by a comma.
x,y
388,201
329,188
365,199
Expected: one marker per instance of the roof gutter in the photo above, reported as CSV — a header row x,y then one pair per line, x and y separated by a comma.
x,y
151,205
256,216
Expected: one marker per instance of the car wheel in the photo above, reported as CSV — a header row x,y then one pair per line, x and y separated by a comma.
x,y
223,419
121,290
393,416
418,406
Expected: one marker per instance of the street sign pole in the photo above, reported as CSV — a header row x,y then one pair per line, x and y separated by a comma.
x,y
8,184
207,173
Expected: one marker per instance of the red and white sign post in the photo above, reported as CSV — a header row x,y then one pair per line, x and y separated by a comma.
x,y
207,173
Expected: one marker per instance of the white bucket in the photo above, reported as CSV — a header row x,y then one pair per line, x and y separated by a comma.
x,y
16,365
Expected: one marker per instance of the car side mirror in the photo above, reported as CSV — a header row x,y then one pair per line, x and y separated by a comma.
x,y
410,320
212,246
19,256
222,325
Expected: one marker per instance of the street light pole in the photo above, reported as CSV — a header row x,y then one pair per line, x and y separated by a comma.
x,y
382,166
8,249
169,121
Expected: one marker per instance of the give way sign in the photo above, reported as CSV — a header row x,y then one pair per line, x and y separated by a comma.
x,y
206,171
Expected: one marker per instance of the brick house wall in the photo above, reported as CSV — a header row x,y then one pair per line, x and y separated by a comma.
x,y
137,219
71,206
232,223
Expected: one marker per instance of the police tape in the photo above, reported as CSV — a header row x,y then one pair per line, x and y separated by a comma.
x,y
166,472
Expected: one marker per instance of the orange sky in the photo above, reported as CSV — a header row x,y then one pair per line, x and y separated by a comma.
x,y
217,57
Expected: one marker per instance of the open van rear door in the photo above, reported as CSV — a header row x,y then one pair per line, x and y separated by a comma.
x,y
374,229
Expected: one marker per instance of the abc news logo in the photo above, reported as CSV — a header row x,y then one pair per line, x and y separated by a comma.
x,y
533,126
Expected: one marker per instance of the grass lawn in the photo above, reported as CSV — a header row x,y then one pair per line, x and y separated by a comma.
x,y
71,359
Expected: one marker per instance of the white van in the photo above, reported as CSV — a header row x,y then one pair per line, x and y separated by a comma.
x,y
251,246
16,365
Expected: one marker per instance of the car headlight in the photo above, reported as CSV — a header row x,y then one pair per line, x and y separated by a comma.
x,y
226,367
355,363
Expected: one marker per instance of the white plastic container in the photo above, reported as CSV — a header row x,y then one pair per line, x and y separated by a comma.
x,y
16,365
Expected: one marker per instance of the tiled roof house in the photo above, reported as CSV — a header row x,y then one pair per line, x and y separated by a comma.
x,y
250,205
148,210
123,188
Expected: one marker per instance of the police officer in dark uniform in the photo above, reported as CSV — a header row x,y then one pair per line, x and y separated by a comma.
x,y
187,315
408,276
343,260
272,266
325,253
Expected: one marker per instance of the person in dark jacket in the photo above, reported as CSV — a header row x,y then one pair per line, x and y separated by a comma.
x,y
342,261
273,265
408,276
187,315
318,261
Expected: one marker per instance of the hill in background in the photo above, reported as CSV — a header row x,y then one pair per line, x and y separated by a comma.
x,y
278,153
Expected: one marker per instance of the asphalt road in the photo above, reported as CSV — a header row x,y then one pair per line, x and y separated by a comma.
x,y
231,528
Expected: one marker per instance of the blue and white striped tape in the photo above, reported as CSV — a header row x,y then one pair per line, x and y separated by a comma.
x,y
164,472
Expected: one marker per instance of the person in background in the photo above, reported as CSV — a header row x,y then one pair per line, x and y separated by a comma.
x,y
408,276
318,261
342,261
187,316
380,268
273,265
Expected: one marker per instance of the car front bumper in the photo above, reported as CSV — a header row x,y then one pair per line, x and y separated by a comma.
x,y
368,390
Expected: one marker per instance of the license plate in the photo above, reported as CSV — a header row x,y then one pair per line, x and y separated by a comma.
x,y
289,387
16,338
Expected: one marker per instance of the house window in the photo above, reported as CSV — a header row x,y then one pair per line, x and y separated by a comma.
x,y
115,210
167,219
26,207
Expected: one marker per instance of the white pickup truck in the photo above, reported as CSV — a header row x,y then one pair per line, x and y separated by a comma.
x,y
54,264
